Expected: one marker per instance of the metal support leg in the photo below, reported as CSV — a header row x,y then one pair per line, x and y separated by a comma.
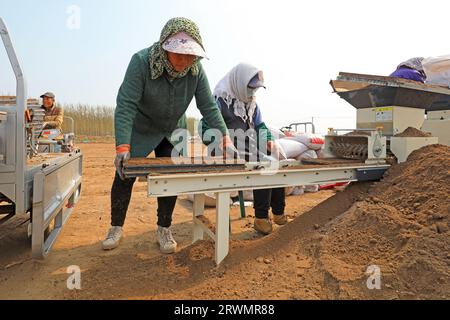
x,y
199,209
222,226
242,204
37,235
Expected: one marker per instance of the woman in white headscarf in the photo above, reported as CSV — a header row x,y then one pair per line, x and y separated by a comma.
x,y
236,98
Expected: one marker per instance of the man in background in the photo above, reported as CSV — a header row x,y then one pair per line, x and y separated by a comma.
x,y
53,115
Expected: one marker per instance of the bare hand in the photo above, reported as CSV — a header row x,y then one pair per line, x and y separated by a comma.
x,y
229,150
276,151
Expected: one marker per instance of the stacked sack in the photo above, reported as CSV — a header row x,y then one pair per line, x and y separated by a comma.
x,y
437,70
301,146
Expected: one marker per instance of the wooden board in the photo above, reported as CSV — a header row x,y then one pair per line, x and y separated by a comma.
x,y
137,167
331,161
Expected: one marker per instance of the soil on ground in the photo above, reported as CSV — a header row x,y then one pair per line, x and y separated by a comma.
x,y
337,245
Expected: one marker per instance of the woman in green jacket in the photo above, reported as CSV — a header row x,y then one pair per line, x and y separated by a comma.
x,y
159,84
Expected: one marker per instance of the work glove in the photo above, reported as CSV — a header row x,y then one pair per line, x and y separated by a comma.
x,y
122,154
276,151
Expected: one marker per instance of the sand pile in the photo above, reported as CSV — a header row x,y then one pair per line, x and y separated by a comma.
x,y
411,132
402,226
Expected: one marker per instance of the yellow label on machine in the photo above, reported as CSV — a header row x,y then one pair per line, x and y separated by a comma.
x,y
383,109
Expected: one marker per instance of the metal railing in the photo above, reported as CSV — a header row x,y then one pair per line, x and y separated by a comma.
x,y
294,126
21,106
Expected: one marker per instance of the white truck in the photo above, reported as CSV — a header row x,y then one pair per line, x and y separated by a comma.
x,y
33,182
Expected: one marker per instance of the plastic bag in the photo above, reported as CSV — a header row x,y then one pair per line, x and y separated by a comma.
x,y
298,190
312,141
292,148
312,188
288,191
294,191
437,70
308,154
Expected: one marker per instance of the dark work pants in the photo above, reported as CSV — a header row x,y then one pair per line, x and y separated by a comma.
x,y
121,195
264,199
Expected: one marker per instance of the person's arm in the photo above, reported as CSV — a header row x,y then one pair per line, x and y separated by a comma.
x,y
207,105
128,97
208,108
205,126
272,146
57,121
260,125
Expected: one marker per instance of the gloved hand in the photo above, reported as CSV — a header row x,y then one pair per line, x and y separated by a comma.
x,y
49,125
276,151
122,154
228,148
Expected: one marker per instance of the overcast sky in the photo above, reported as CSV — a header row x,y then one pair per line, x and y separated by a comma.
x,y
300,46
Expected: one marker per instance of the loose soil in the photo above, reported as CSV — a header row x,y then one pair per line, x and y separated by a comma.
x,y
411,132
399,226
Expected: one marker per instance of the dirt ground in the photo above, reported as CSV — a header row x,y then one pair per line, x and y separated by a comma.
x,y
398,229
136,269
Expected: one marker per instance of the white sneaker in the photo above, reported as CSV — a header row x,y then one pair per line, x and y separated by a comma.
x,y
112,239
166,241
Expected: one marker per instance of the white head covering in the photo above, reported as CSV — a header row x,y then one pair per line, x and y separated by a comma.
x,y
234,87
183,43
